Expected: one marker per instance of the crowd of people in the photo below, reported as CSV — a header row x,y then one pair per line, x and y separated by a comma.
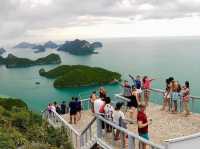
x,y
138,94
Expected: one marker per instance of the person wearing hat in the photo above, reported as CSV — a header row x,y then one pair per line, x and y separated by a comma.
x,y
143,124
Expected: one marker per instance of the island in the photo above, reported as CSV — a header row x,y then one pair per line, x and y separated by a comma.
x,y
21,128
50,45
39,48
79,75
25,45
12,61
2,51
80,47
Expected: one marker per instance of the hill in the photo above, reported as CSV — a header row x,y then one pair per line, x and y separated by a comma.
x,y
50,45
2,50
79,75
25,45
22,128
79,47
39,48
13,61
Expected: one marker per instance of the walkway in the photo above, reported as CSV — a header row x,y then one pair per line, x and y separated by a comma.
x,y
165,125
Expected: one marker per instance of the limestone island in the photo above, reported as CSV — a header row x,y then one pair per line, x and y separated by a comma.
x,y
12,61
2,51
39,48
79,76
80,47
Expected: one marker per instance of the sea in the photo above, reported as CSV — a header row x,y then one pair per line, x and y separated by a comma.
x,y
156,57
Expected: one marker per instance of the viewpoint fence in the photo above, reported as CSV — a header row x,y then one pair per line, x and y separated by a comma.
x,y
94,134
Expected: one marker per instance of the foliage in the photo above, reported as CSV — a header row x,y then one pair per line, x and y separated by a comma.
x,y
79,75
20,127
13,62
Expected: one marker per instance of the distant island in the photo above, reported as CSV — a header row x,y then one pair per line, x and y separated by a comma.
x,y
75,47
12,61
80,47
2,51
80,75
39,48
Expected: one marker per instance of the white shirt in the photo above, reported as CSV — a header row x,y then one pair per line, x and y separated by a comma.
x,y
108,111
97,104
117,115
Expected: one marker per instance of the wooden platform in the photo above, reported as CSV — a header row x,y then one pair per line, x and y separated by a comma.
x,y
165,125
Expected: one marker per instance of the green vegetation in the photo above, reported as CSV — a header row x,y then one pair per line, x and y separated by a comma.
x,y
79,75
22,128
14,62
80,47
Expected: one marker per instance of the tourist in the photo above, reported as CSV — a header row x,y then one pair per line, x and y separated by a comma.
x,y
186,97
109,110
57,107
98,105
102,93
175,96
73,110
133,104
118,119
63,107
78,108
93,97
127,89
137,83
147,86
143,125
166,97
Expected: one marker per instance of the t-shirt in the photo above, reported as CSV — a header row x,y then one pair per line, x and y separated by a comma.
x,y
147,84
117,115
72,106
97,105
108,111
127,90
138,84
143,118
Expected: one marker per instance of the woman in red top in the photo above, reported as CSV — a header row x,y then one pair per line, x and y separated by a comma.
x,y
146,86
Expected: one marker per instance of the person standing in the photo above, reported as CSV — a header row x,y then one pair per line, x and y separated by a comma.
x,y
73,110
186,97
93,97
143,125
102,93
78,108
63,107
147,86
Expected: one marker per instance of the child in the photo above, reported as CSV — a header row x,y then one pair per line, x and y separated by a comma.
x,y
175,95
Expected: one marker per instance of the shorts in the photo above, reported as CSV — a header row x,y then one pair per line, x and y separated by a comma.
x,y
139,91
144,135
147,92
72,113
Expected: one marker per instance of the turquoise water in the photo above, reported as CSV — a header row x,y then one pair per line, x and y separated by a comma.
x,y
156,57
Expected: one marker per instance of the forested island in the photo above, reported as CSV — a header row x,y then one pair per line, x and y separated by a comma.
x,y
80,47
22,128
75,47
80,75
12,61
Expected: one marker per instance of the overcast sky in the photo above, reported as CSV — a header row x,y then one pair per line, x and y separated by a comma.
x,y
40,20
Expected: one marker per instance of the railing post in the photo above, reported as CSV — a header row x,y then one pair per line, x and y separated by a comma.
x,y
99,128
131,142
122,136
192,104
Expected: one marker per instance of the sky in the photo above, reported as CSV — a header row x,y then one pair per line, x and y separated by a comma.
x,y
42,20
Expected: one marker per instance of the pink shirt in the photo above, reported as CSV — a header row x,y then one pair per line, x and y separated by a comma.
x,y
147,84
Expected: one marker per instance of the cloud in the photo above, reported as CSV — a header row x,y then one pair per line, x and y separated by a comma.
x,y
24,18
